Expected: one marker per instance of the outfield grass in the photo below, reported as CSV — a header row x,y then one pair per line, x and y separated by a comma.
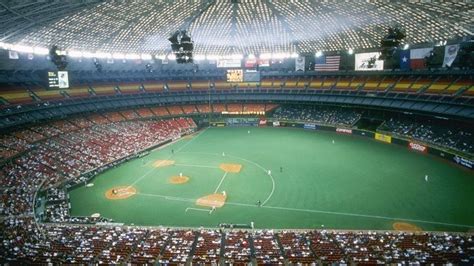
x,y
356,183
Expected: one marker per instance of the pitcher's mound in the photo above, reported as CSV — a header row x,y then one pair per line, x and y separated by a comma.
x,y
399,226
230,167
118,193
178,180
214,200
162,163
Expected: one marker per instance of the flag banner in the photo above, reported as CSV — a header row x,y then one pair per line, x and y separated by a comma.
x,y
299,63
63,79
13,55
264,62
229,63
418,57
368,62
450,53
250,63
327,63
405,59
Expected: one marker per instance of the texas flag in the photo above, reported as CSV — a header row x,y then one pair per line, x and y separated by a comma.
x,y
405,59
417,57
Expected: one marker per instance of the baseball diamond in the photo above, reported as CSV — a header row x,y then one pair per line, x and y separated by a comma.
x,y
355,183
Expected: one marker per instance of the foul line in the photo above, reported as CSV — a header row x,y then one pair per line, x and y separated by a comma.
x,y
314,211
178,150
195,165
196,209
220,183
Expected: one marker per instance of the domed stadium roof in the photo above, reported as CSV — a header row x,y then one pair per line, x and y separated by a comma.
x,y
222,27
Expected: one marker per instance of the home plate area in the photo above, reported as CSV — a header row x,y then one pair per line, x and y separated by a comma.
x,y
216,200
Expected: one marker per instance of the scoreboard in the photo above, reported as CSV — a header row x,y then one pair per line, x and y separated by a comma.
x,y
239,75
58,79
235,75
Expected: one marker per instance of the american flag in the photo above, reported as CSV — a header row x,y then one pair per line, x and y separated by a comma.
x,y
327,63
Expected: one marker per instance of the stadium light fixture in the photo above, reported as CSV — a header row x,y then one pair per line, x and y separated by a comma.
x,y
145,56
40,51
22,48
350,51
88,54
118,56
160,56
212,57
406,46
280,55
102,55
199,57
294,55
132,56
75,54
171,57
319,54
251,56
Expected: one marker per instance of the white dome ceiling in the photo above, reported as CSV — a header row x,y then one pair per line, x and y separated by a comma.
x,y
222,27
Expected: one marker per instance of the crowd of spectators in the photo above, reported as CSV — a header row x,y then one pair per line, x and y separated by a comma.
x,y
49,155
434,132
456,138
71,148
24,242
318,114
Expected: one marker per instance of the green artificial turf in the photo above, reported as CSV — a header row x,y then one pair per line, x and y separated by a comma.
x,y
355,183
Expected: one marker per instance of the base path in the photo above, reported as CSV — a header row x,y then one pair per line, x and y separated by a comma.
x,y
213,200
118,193
162,163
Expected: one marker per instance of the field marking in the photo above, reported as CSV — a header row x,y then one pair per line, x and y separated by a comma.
x,y
169,157
197,209
220,183
315,211
195,165
254,163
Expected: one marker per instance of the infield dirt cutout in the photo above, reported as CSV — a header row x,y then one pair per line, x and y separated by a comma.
x,y
177,180
230,167
213,200
400,226
162,163
118,193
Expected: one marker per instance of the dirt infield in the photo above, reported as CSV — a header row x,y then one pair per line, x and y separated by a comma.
x,y
230,167
400,226
118,193
162,163
213,200
177,180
